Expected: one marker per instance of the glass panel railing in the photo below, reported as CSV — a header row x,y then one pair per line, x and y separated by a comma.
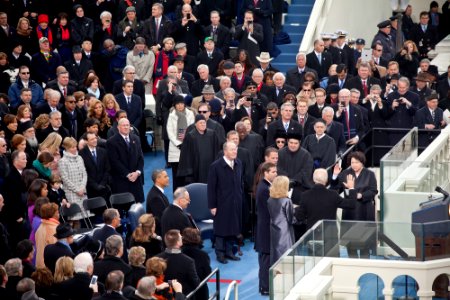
x,y
360,240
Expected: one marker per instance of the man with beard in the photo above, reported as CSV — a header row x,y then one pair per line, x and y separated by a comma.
x,y
198,151
27,130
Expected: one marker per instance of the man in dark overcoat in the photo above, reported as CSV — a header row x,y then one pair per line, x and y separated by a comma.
x,y
225,198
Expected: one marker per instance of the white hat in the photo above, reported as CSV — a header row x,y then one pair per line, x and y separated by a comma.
x,y
264,57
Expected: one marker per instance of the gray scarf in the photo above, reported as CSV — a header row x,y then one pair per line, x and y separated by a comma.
x,y
182,122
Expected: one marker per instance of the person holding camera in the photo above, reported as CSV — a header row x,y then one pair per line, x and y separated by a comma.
x,y
188,30
408,59
250,36
249,105
106,30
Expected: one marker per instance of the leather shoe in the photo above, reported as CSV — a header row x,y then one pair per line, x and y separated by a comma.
x,y
233,257
222,260
265,293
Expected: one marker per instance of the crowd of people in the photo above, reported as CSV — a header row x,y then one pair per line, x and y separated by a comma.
x,y
73,83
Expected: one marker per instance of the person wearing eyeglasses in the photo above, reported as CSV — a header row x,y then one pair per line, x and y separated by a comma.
x,y
24,81
72,118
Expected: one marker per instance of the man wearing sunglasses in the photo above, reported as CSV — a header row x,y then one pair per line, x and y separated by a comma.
x,y
24,81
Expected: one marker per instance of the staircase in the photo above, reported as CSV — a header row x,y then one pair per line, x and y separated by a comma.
x,y
295,23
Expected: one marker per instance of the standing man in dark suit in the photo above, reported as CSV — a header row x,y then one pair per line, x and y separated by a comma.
x,y
262,241
444,86
53,252
424,35
315,110
283,124
174,216
179,266
72,118
341,77
294,76
363,82
430,117
350,117
157,201
320,203
127,161
6,34
219,33
319,60
131,103
250,36
211,56
262,11
225,200
334,129
78,66
97,167
157,28
304,118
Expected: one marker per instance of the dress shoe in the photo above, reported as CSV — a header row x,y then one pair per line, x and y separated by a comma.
x,y
222,260
265,293
233,257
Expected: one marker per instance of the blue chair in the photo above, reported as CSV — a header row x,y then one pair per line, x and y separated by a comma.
x,y
134,213
198,208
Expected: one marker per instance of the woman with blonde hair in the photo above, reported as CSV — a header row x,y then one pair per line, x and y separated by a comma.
x,y
144,235
64,269
111,106
74,177
26,37
408,59
281,211
97,111
136,257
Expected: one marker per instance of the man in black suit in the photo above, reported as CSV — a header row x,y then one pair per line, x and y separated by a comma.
x,y
127,161
444,86
377,55
211,56
97,167
157,27
72,118
53,252
320,203
111,217
52,103
294,76
174,216
429,117
112,262
315,110
250,35
219,33
334,129
249,105
205,79
62,85
363,82
341,76
319,60
7,34
129,73
157,201
55,126
424,35
280,88
350,117
304,118
179,266
130,102
284,124
78,66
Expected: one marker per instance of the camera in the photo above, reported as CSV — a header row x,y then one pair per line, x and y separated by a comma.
x,y
188,16
250,22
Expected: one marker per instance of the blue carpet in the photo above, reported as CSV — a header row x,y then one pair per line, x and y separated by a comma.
x,y
245,270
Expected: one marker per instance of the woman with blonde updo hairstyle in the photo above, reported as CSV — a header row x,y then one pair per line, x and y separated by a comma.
x,y
144,235
64,269
136,257
98,111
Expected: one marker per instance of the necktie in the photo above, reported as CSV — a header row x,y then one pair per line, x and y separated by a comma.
x,y
64,91
302,120
347,122
214,29
365,89
341,83
278,92
433,115
157,29
94,156
232,164
191,220
255,2
128,100
209,55
127,141
319,57
424,28
286,126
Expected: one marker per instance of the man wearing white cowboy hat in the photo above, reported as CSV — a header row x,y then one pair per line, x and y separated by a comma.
x,y
264,62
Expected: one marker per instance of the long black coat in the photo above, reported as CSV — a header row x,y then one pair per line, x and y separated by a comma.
x,y
97,171
262,241
54,251
225,192
123,161
76,287
156,204
202,266
174,217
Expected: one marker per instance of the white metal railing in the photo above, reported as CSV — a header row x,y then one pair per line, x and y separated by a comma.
x,y
338,278
233,286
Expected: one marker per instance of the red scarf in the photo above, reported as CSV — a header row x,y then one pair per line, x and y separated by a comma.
x,y
44,33
65,33
129,3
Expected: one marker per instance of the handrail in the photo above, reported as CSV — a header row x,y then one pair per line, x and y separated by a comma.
x,y
216,294
233,284
313,27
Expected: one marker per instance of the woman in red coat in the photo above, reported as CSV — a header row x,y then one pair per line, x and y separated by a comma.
x,y
163,58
